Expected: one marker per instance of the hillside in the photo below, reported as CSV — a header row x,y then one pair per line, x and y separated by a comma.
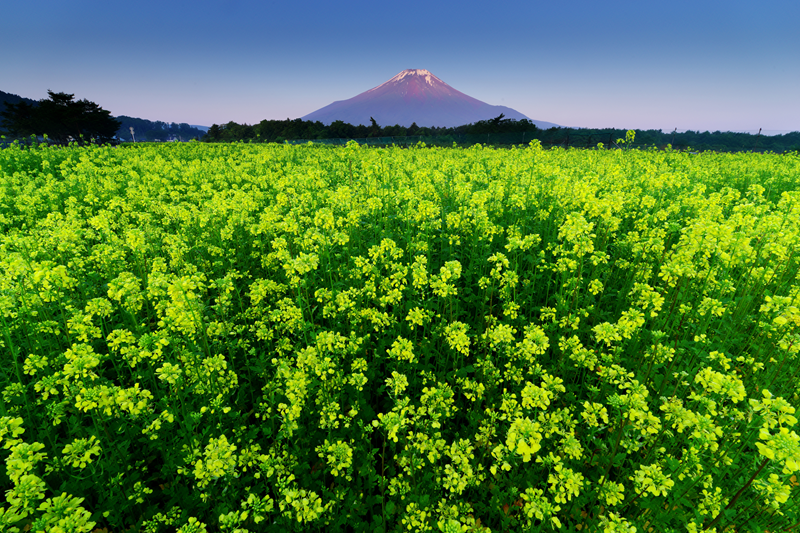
x,y
156,130
12,99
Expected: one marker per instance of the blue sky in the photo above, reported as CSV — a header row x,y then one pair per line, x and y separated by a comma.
x,y
700,65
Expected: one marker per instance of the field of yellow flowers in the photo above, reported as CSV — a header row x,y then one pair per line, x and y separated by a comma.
x,y
241,338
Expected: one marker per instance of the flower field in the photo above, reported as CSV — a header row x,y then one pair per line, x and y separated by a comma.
x,y
201,338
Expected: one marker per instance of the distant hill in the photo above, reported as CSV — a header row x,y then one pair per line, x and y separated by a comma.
x,y
13,99
155,130
415,96
144,130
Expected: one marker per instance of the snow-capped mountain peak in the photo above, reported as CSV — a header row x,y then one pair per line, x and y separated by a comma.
x,y
410,73
412,96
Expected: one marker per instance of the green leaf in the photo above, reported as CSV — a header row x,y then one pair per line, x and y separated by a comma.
x,y
465,371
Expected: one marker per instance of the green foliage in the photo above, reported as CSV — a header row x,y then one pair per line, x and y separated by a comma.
x,y
237,337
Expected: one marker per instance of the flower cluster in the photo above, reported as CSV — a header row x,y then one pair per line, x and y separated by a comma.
x,y
299,338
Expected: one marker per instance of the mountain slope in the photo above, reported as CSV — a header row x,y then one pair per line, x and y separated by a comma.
x,y
155,130
13,99
414,96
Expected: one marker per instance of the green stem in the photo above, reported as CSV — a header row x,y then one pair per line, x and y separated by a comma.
x,y
738,494
17,370
778,371
613,454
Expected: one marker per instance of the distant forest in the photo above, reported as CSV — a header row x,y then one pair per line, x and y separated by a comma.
x,y
155,130
144,130
499,131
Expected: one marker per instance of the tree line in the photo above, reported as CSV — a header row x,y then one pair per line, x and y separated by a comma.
x,y
283,130
719,141
500,130
64,119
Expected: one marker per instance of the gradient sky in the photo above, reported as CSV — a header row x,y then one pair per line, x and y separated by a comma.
x,y
687,64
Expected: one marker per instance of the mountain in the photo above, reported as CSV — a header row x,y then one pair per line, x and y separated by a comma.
x,y
415,96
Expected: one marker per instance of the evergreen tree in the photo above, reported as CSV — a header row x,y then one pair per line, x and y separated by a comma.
x,y
62,119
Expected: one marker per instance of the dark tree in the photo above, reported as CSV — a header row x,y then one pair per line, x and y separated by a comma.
x,y
214,133
375,130
496,121
19,119
62,119
341,130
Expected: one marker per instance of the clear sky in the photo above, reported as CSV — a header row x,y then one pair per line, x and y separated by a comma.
x,y
688,64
